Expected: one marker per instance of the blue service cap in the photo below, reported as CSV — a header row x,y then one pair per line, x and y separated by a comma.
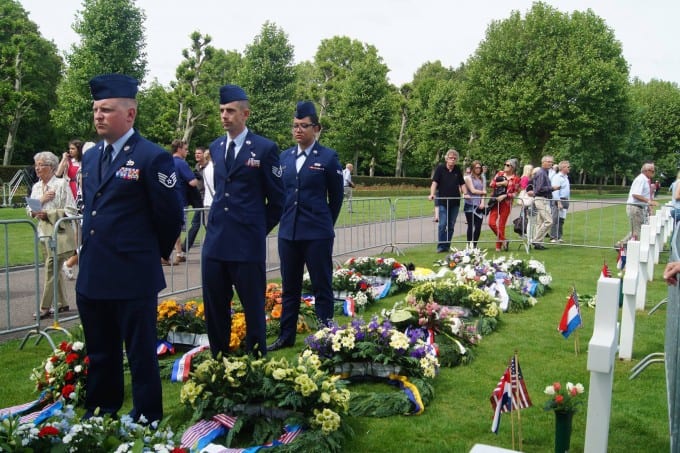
x,y
231,93
107,86
304,109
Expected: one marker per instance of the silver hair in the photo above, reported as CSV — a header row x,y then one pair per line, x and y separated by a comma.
x,y
48,158
454,152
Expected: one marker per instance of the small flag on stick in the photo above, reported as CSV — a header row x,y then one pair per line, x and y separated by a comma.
x,y
510,393
621,258
605,270
571,318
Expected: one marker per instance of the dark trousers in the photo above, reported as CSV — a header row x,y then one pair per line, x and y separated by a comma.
x,y
317,255
219,280
196,222
474,224
108,325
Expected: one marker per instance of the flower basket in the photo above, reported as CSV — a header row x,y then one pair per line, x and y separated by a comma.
x,y
188,338
366,369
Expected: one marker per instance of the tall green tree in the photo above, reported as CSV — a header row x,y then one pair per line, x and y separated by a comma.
x,y
550,74
358,104
111,40
268,76
657,109
157,113
30,69
431,107
190,87
221,69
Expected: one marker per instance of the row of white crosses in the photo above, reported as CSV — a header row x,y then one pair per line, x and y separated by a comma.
x,y
641,257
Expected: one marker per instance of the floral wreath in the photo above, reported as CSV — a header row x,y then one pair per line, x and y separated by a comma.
x,y
446,327
63,374
359,351
267,395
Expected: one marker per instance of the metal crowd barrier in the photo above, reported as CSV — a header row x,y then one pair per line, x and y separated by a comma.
x,y
374,226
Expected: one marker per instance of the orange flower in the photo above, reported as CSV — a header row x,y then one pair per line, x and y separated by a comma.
x,y
276,311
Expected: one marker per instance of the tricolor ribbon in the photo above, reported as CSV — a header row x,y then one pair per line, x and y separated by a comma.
x,y
182,366
431,341
349,307
164,347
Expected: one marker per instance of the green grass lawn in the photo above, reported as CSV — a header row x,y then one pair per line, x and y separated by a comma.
x,y
460,414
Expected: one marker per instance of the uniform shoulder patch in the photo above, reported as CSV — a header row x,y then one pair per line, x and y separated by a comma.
x,y
277,171
168,181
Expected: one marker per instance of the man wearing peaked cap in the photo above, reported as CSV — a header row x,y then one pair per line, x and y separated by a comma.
x,y
312,181
131,218
246,207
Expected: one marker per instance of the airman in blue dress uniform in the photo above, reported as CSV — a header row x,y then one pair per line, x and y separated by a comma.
x,y
131,218
312,179
246,207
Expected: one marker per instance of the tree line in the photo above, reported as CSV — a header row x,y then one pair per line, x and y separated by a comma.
x,y
542,82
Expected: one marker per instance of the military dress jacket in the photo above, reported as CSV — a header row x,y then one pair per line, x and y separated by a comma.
x,y
131,218
248,200
313,196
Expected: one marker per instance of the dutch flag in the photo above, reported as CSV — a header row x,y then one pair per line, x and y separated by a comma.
x,y
571,318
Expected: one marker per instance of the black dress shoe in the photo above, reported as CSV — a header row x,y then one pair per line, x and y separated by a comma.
x,y
280,343
538,246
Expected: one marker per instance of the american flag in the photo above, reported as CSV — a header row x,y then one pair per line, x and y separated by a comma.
x,y
512,381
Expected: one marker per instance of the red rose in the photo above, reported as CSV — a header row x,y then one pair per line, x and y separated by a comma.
x,y
559,399
64,346
67,390
72,357
70,375
54,359
48,431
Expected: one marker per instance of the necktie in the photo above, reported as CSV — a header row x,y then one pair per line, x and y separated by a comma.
x,y
300,160
231,152
106,159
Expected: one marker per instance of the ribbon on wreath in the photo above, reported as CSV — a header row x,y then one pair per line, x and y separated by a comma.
x,y
411,392
199,437
164,347
182,366
349,307
24,408
42,415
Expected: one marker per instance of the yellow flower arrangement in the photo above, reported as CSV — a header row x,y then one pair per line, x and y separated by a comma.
x,y
189,317
238,330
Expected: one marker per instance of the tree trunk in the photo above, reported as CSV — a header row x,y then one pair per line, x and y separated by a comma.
x,y
22,107
401,146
